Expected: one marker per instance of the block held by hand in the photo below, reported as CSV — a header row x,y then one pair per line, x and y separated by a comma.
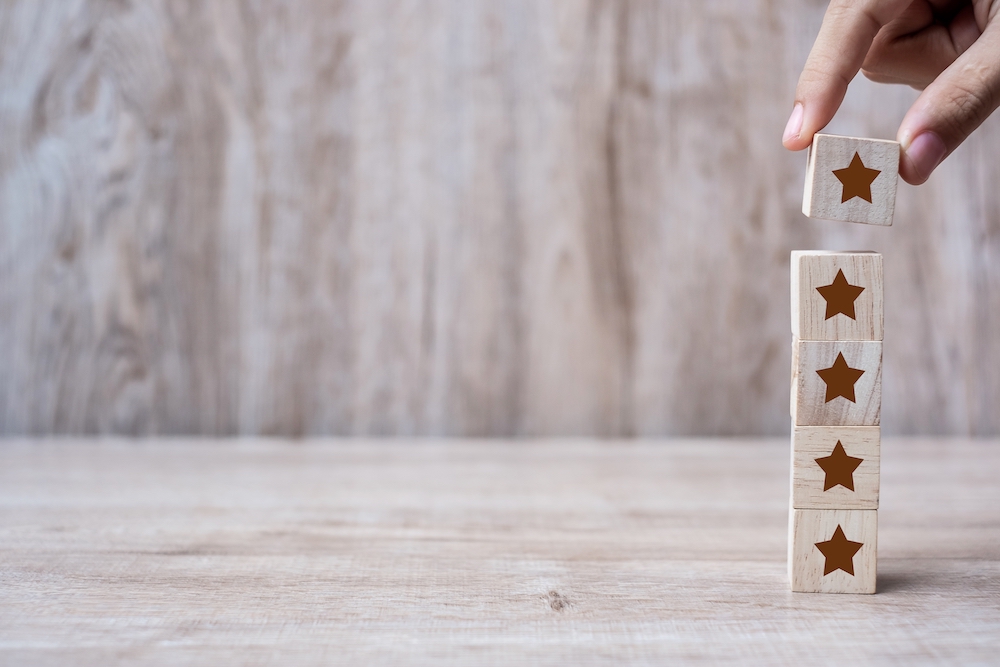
x,y
851,179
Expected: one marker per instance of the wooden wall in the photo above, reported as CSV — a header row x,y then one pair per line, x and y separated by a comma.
x,y
448,217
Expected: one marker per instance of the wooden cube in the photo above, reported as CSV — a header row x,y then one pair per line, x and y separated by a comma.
x,y
835,467
836,295
836,383
851,179
833,551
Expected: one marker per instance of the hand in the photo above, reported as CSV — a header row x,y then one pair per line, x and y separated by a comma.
x,y
950,49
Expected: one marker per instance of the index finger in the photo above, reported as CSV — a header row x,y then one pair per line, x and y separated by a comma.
x,y
847,33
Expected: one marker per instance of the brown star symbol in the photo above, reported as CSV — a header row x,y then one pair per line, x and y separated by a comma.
x,y
839,468
839,552
840,296
857,180
840,379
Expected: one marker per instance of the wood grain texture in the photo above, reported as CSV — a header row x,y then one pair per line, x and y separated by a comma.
x,y
816,268
471,552
807,564
447,217
823,193
808,478
809,404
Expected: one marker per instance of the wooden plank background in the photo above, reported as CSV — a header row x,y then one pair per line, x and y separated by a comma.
x,y
448,217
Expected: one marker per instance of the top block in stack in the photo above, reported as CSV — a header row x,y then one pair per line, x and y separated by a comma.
x,y
851,179
836,295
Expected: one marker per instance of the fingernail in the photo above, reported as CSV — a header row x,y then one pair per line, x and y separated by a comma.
x,y
794,126
926,152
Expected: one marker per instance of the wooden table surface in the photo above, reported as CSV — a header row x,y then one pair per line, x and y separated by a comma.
x,y
470,552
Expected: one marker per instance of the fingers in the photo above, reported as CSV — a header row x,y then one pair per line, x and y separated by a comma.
x,y
901,41
950,108
844,39
915,48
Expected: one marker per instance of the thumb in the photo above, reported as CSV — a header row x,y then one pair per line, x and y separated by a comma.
x,y
951,108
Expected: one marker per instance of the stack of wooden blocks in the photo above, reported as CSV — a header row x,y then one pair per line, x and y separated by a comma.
x,y
837,373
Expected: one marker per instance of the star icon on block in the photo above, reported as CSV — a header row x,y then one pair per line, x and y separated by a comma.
x,y
839,552
857,180
840,379
839,468
840,296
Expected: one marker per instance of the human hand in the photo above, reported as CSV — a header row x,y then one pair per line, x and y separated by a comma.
x,y
950,49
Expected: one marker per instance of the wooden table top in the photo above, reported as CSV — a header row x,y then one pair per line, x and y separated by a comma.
x,y
476,552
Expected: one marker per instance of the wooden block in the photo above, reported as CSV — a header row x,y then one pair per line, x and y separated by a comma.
x,y
851,179
832,551
835,467
836,383
836,295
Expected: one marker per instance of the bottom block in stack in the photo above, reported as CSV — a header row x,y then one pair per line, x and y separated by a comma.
x,y
832,551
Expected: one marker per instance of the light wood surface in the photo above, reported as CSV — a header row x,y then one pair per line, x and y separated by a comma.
x,y
809,406
823,195
808,478
448,217
807,567
473,552
818,268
